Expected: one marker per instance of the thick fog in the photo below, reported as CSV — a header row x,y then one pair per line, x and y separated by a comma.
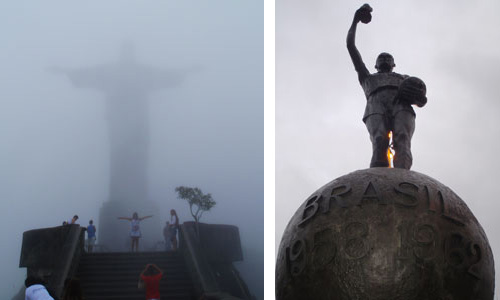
x,y
203,112
451,45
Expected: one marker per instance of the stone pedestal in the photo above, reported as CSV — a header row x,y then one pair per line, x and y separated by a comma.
x,y
114,234
384,234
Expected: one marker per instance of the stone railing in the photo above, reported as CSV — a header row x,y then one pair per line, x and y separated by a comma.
x,y
52,254
209,258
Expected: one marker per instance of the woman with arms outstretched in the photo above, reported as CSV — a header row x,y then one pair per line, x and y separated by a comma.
x,y
135,230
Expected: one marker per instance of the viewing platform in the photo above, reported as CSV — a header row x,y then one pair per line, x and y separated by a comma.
x,y
202,267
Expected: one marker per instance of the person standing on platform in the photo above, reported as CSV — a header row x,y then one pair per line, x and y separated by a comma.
x,y
174,224
91,236
135,230
73,220
167,235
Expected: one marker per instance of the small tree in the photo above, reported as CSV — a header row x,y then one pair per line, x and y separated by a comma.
x,y
198,202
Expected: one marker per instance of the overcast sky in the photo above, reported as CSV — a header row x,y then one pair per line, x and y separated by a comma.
x,y
206,132
452,45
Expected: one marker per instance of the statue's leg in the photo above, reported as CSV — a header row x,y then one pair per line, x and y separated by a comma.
x,y
404,126
379,135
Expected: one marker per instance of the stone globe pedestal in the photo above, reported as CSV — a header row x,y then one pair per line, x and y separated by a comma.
x,y
384,234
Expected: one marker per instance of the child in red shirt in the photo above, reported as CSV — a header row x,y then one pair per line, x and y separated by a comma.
x,y
151,276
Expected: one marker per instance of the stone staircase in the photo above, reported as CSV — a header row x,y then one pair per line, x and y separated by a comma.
x,y
114,275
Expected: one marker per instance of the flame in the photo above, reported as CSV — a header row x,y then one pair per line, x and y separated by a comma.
x,y
390,151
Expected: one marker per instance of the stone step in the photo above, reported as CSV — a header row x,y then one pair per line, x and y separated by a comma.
x,y
118,268
133,291
170,285
115,275
96,278
135,297
130,255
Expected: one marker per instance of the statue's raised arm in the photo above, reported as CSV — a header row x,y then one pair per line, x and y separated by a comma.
x,y
363,14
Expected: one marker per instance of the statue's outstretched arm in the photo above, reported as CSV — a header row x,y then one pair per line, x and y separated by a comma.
x,y
359,65
83,78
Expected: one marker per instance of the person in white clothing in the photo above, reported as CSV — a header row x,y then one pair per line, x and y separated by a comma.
x,y
35,290
174,224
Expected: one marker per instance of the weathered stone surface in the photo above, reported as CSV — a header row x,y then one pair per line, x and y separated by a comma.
x,y
384,234
41,248
46,247
210,256
220,243
52,254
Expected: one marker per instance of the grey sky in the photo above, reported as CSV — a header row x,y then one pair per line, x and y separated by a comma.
x,y
452,45
208,132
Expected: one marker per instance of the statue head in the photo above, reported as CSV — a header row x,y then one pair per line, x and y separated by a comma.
x,y
385,63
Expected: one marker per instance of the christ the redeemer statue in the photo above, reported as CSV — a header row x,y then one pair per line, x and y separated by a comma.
x,y
126,85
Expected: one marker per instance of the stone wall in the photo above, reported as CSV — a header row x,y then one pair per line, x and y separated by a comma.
x,y
52,253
